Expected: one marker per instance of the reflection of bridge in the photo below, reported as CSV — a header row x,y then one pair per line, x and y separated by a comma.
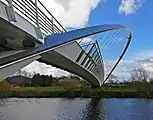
x,y
29,32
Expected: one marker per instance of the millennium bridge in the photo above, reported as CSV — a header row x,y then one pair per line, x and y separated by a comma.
x,y
29,32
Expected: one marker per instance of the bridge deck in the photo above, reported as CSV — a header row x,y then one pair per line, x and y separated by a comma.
x,y
14,34
27,36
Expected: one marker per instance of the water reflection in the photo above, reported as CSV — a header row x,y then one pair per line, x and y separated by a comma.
x,y
94,110
76,109
2,102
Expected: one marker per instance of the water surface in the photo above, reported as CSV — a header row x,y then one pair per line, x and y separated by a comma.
x,y
76,109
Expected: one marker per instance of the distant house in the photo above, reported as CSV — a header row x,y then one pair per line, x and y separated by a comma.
x,y
16,85
18,81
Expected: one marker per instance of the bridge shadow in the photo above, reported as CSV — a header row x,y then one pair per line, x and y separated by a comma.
x,y
94,110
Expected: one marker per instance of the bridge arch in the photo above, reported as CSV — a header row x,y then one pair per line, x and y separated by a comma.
x,y
61,39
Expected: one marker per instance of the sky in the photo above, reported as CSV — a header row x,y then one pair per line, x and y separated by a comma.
x,y
134,14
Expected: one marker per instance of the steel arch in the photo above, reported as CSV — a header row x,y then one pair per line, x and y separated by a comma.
x,y
56,40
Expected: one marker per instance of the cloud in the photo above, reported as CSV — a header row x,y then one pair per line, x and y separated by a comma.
x,y
85,40
71,13
130,6
43,69
75,13
145,54
147,64
122,71
142,59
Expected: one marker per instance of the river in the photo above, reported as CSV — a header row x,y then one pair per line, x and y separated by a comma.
x,y
75,109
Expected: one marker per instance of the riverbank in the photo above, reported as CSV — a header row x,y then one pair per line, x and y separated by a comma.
x,y
59,92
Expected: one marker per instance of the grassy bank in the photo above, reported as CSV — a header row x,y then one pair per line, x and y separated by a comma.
x,y
106,92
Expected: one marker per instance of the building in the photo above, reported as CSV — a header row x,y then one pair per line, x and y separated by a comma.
x,y
18,81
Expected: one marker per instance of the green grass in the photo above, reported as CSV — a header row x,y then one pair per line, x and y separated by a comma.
x,y
38,89
57,91
119,89
59,88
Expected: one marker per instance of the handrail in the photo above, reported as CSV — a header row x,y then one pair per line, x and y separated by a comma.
x,y
52,15
97,52
35,14
39,16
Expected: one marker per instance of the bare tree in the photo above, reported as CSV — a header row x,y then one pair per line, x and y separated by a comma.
x,y
139,74
112,79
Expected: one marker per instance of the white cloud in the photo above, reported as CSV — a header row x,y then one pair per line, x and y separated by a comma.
x,y
144,55
43,69
85,40
71,13
75,13
122,70
142,59
130,6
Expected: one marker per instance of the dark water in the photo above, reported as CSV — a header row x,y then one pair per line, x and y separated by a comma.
x,y
76,109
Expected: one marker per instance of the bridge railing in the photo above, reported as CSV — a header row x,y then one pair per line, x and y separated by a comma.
x,y
94,54
37,14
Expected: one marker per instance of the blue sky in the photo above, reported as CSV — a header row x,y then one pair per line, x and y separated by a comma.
x,y
135,14
140,22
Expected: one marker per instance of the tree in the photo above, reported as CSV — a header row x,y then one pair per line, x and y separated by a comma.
x,y
37,80
47,80
42,80
140,75
112,79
